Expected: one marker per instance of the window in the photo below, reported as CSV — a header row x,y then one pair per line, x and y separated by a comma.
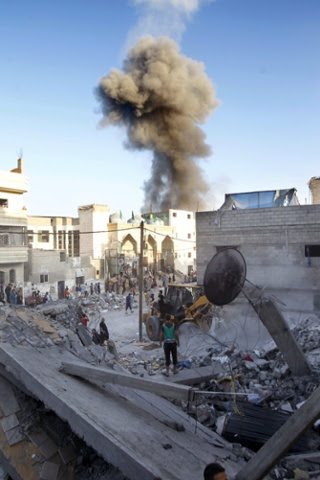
x,y
43,236
76,243
44,278
188,216
62,256
2,277
312,251
12,276
3,202
30,236
70,244
174,214
4,239
189,254
189,235
60,241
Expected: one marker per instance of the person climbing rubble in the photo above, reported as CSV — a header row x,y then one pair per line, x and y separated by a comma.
x,y
96,337
171,340
104,332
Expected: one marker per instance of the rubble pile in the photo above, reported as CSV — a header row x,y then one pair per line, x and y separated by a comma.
x,y
53,450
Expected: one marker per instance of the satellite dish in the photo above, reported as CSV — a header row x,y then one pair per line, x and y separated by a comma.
x,y
224,276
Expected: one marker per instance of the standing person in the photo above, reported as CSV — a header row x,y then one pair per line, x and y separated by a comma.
x,y
7,292
129,302
214,471
165,283
104,332
171,340
67,293
98,288
162,306
91,288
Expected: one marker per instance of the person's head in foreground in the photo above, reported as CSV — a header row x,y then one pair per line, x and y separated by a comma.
x,y
214,471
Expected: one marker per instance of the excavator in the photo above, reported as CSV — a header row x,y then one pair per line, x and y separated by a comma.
x,y
185,303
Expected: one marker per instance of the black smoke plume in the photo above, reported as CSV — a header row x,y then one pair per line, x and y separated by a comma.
x,y
160,98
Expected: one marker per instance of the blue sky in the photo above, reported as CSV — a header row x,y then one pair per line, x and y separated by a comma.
x,y
261,55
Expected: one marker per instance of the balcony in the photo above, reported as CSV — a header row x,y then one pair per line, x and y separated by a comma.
x,y
13,217
13,254
13,182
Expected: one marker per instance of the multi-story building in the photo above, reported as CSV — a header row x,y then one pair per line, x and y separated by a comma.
x,y
13,225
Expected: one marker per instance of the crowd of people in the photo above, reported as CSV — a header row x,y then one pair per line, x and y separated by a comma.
x,y
11,294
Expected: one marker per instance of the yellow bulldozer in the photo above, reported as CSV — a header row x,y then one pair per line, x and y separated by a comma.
x,y
185,303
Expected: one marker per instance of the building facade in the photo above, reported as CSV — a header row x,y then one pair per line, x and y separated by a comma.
x,y
281,247
13,226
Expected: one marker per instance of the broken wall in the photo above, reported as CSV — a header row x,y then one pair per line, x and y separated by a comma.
x,y
273,242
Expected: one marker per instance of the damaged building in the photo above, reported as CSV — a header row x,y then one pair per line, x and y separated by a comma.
x,y
279,239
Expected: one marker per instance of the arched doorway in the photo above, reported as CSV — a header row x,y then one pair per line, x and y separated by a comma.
x,y
152,254
129,256
167,256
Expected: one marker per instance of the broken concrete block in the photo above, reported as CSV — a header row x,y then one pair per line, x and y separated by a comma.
x,y
84,335
49,471
9,422
14,436
8,402
68,453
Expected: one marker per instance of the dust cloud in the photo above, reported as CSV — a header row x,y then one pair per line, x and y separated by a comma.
x,y
161,97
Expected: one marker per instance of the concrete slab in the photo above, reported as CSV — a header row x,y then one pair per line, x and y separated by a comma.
x,y
195,376
126,435
68,453
8,402
49,471
14,436
44,443
84,335
9,422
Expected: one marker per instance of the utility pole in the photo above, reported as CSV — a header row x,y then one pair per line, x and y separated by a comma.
x,y
141,281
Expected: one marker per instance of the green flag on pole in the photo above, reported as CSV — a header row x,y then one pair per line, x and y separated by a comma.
x,y
154,218
132,215
121,215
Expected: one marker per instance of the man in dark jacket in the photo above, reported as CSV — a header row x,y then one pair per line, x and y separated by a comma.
x,y
104,332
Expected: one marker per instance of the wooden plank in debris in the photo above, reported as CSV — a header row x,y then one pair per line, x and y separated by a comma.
x,y
94,374
279,330
281,441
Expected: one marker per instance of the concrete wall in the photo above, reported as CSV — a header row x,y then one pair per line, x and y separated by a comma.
x,y
272,241
52,263
185,234
93,218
